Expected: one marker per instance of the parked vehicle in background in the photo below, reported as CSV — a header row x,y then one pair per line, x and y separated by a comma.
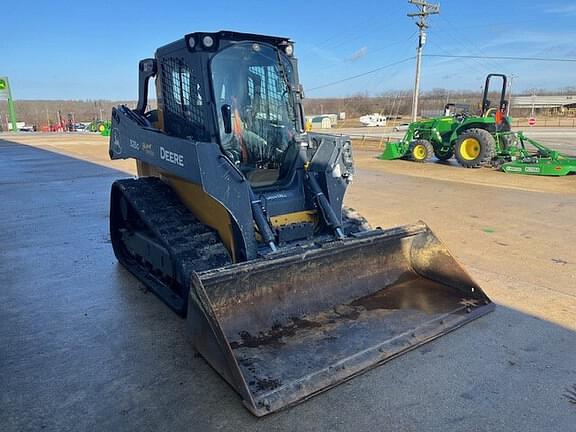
x,y
22,127
373,120
401,127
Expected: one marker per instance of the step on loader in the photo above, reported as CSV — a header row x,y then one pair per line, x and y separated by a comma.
x,y
236,222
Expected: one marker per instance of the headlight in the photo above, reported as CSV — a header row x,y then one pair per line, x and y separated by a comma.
x,y
191,43
289,50
208,41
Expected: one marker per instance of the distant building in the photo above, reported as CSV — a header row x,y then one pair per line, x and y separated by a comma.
x,y
544,102
324,121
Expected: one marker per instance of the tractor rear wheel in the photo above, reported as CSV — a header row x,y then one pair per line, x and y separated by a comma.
x,y
475,148
421,150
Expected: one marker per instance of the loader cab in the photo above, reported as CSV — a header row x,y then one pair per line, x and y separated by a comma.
x,y
238,90
253,87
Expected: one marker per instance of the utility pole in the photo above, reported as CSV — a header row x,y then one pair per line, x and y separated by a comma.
x,y
424,9
512,78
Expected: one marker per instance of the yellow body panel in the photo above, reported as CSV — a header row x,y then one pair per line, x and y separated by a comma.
x,y
309,216
146,170
208,211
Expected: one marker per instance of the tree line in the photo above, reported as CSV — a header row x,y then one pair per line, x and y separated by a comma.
x,y
390,103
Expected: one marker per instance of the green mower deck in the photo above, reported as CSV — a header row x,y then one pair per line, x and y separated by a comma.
x,y
543,161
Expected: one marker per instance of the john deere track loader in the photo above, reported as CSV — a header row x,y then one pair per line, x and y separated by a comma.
x,y
236,221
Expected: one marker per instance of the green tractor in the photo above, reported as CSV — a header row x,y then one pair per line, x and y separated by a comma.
x,y
102,127
479,140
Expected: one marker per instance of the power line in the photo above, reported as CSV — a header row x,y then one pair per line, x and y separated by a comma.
x,y
503,58
472,62
360,75
438,55
461,39
348,34
375,82
342,62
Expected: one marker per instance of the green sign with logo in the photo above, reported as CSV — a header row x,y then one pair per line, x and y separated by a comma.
x,y
4,88
5,94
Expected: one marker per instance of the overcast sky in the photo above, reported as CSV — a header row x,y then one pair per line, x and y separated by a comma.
x,y
90,50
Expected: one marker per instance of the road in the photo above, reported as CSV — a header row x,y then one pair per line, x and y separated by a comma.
x,y
561,139
84,346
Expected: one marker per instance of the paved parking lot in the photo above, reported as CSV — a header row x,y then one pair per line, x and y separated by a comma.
x,y
561,139
84,346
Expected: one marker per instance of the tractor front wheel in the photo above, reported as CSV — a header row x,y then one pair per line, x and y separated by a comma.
x,y
421,151
475,148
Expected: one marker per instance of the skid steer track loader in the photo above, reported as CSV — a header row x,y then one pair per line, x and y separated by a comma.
x,y
236,221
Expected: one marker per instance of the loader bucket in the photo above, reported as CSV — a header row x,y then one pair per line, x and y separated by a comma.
x,y
393,150
283,329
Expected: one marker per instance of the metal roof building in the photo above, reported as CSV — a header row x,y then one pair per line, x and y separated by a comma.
x,y
567,101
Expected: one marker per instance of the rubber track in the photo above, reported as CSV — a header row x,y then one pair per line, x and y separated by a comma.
x,y
193,246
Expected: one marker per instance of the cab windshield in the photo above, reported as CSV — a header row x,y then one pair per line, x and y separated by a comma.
x,y
252,82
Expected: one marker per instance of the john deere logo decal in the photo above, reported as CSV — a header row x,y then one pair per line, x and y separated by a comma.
x,y
3,84
532,169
